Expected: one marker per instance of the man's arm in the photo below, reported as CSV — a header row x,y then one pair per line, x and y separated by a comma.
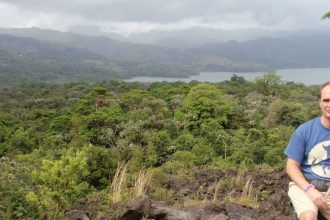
x,y
294,172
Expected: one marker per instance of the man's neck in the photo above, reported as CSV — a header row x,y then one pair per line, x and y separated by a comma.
x,y
325,121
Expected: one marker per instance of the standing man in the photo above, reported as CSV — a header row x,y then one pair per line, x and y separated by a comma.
x,y
308,163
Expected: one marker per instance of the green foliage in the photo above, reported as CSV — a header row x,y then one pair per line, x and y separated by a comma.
x,y
185,158
143,157
61,124
21,141
221,163
133,99
60,182
13,189
203,152
162,142
326,15
285,113
185,142
162,194
263,195
171,128
100,126
203,105
268,84
181,162
101,165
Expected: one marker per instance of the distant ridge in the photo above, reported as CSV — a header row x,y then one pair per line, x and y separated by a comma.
x,y
296,51
52,56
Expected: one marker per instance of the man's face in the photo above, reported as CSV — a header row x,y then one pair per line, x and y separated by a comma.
x,y
325,102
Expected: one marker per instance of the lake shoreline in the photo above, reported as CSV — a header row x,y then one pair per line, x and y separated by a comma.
x,y
307,76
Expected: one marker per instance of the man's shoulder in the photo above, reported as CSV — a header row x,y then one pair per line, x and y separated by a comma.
x,y
311,123
308,126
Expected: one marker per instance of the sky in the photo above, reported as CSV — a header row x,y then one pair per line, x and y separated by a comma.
x,y
141,16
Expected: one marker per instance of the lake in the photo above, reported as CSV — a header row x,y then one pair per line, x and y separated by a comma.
x,y
308,76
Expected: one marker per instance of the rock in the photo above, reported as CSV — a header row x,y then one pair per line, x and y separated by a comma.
x,y
143,206
216,207
131,210
76,215
167,213
269,190
239,212
219,217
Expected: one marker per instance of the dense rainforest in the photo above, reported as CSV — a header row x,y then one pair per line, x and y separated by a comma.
x,y
60,143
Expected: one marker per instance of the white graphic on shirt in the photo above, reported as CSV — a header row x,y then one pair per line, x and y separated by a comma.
x,y
318,157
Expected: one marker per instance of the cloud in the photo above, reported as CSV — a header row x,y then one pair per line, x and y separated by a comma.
x,y
226,22
127,16
12,16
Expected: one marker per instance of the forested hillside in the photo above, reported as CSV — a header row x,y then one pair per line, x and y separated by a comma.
x,y
296,51
124,51
29,60
63,143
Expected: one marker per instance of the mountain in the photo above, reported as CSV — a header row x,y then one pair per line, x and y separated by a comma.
x,y
109,48
193,37
184,38
36,55
29,60
137,53
295,51
101,45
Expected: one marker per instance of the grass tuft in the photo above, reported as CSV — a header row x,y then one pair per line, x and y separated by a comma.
x,y
117,188
141,184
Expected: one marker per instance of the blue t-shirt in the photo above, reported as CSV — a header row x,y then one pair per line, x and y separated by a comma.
x,y
310,146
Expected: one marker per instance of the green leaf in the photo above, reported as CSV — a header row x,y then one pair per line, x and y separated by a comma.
x,y
326,16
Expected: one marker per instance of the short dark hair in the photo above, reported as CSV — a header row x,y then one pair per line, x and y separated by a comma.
x,y
324,85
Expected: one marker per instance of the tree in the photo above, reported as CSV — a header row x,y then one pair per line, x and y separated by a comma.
x,y
239,79
162,142
60,182
13,188
203,105
326,16
203,151
268,84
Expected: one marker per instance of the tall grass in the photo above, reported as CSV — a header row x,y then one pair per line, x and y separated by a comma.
x,y
117,188
247,198
216,192
141,184
248,188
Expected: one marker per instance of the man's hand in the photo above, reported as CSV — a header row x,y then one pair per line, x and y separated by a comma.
x,y
327,196
319,199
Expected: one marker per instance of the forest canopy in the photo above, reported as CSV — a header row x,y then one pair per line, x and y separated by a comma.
x,y
62,143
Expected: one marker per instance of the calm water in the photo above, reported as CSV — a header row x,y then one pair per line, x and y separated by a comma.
x,y
311,76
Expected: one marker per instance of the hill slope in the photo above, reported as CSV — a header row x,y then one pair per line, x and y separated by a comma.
x,y
296,51
30,60
141,53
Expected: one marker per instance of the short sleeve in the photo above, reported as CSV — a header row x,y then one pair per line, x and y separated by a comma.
x,y
296,146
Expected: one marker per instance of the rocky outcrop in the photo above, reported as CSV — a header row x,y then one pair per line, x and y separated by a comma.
x,y
76,215
145,208
269,189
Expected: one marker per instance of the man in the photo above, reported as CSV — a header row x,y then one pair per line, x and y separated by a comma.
x,y
308,163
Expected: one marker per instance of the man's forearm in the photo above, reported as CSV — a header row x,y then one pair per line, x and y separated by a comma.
x,y
296,175
294,172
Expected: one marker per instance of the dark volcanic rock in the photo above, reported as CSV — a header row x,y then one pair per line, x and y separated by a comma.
x,y
144,207
76,215
141,207
269,190
131,209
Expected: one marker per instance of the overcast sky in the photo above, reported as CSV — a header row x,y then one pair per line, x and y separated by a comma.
x,y
131,16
